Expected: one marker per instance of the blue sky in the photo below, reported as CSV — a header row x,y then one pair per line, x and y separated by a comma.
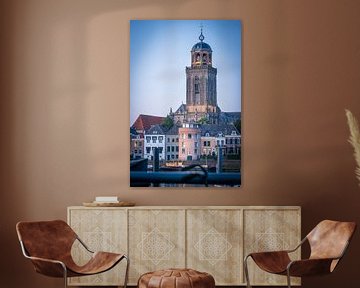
x,y
159,53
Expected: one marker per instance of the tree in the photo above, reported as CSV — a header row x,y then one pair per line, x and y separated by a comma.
x,y
168,122
203,120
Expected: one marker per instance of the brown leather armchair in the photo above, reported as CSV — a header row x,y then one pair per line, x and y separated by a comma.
x,y
328,242
48,245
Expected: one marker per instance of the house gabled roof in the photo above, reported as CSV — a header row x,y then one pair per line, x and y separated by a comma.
x,y
156,129
144,122
174,130
214,130
181,109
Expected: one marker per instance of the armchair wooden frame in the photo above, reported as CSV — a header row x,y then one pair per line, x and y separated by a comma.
x,y
322,260
64,266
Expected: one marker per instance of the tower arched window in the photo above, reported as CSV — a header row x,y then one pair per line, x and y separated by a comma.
x,y
197,88
204,58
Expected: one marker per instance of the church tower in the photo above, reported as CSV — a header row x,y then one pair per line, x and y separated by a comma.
x,y
201,98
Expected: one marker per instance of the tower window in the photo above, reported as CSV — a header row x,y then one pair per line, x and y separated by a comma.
x,y
197,90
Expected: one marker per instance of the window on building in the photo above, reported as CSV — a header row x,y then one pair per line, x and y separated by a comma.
x,y
218,142
140,144
196,144
154,138
177,139
222,142
207,134
197,88
233,132
173,140
161,138
160,150
168,157
168,149
205,143
148,138
177,148
172,149
148,150
183,150
176,156
195,151
189,136
172,156
231,141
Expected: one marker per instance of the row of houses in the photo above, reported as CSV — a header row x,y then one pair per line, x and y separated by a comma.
x,y
186,142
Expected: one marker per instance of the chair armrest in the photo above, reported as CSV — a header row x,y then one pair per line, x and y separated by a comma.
x,y
309,267
48,267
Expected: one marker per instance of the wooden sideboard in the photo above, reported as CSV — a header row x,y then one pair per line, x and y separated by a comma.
x,y
213,239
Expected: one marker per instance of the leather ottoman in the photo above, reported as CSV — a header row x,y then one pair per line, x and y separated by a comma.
x,y
176,278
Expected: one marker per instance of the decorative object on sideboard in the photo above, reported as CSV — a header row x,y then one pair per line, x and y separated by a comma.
x,y
48,245
109,204
108,201
354,140
328,242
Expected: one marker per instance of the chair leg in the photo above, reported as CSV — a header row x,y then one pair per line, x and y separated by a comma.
x,y
127,271
288,279
246,272
65,276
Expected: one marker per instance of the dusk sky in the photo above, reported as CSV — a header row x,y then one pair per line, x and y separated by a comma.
x,y
159,53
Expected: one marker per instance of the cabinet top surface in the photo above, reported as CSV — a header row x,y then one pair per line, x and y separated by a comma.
x,y
193,207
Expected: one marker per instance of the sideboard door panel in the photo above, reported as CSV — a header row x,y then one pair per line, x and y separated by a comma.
x,y
214,242
101,230
270,230
156,240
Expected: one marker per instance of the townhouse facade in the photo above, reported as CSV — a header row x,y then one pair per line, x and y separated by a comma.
x,y
154,138
172,144
189,142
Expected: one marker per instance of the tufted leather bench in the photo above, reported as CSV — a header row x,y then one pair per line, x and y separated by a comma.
x,y
176,278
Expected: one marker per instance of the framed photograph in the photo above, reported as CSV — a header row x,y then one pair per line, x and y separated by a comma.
x,y
185,103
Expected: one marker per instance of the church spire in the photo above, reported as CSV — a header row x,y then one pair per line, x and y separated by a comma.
x,y
201,37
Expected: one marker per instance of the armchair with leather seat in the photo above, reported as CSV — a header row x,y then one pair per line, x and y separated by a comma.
x,y
328,242
48,245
